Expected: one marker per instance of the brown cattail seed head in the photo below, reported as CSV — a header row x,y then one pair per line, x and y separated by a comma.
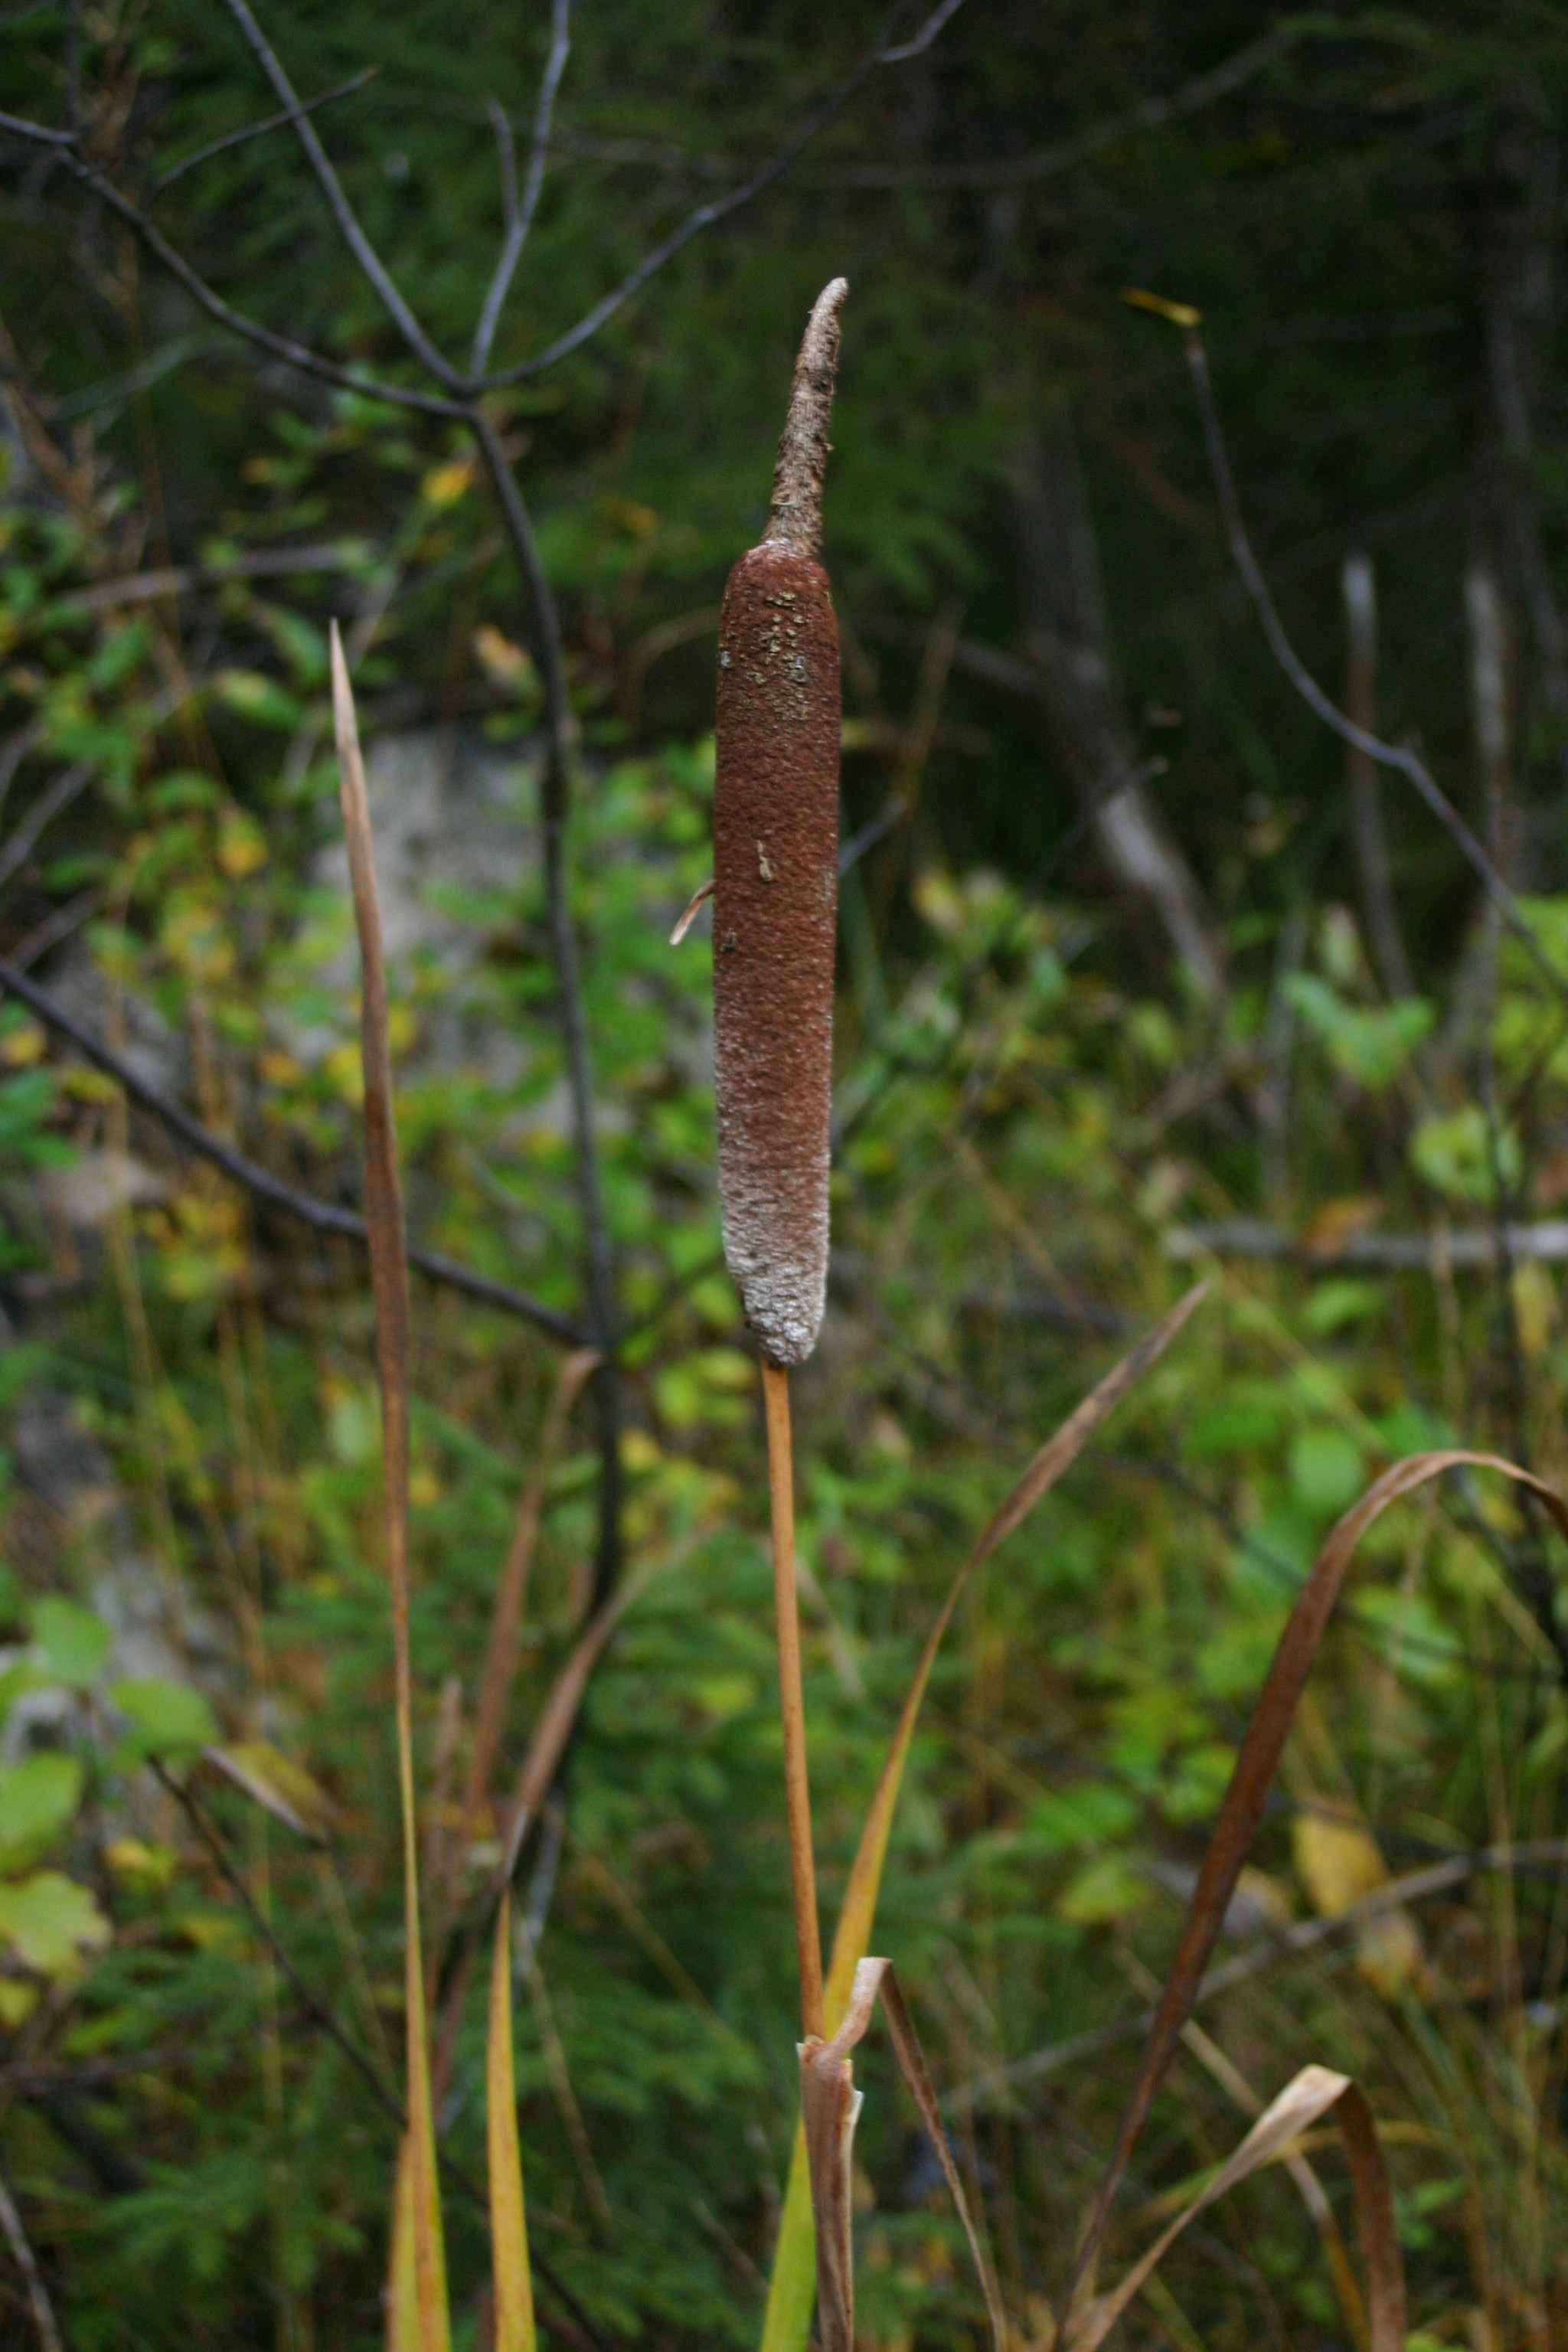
x,y
775,882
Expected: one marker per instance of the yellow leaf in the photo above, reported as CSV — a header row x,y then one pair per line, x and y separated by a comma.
x,y
445,485
508,2220
241,846
17,2003
504,663
1535,1307
129,1857
1179,314
1337,1858
23,1046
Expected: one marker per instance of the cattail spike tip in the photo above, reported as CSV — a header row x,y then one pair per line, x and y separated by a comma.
x,y
795,516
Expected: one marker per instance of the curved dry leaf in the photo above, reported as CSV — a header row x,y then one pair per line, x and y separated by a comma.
x,y
1310,2095
1242,1810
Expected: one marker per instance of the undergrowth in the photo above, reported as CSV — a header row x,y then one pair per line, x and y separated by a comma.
x,y
1020,1136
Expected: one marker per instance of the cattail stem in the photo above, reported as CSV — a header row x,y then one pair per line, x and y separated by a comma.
x,y
797,1792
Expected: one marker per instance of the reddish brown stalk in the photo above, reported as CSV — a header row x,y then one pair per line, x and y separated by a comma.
x,y
792,1703
500,1649
539,1766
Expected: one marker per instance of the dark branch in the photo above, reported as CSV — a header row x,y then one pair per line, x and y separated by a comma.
x,y
178,580
520,216
602,1309
1044,163
353,235
281,347
1388,755
709,216
37,132
259,129
67,787
322,1216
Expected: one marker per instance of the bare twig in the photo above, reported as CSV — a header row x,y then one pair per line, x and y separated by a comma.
x,y
22,2254
37,132
555,802
520,214
709,216
353,235
1388,755
21,746
218,1853
50,804
1044,163
1268,1952
1360,590
324,1216
1250,1238
500,1646
282,347
179,579
56,927
259,129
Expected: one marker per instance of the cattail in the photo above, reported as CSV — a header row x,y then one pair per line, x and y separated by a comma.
x,y
775,880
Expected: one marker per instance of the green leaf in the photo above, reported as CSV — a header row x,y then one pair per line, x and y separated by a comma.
x,y
1369,1046
1107,1888
1455,1154
1327,1472
50,1921
37,1798
74,1642
165,1717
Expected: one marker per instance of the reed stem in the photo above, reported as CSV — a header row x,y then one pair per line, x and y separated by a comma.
x,y
797,1792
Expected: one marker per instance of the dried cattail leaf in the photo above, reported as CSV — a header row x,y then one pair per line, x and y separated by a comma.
x,y
775,882
1242,1810
1307,2095
389,1285
830,2105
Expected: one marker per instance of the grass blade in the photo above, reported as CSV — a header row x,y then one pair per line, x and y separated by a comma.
x,y
401,2285
500,1647
787,2321
389,1286
1242,1810
545,1749
1310,2095
508,2222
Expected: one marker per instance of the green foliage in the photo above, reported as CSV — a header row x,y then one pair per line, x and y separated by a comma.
x,y
1024,1110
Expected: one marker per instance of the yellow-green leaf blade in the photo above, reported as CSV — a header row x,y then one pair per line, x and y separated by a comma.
x,y
508,2220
